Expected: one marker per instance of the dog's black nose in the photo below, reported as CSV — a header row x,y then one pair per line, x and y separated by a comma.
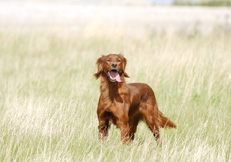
x,y
114,65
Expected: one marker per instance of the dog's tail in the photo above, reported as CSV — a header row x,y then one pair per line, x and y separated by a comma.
x,y
164,122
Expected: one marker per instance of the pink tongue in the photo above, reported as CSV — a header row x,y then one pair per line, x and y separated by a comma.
x,y
115,75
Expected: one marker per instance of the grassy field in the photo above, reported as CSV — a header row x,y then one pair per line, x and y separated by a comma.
x,y
49,96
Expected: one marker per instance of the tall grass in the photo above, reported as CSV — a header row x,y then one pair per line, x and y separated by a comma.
x,y
49,96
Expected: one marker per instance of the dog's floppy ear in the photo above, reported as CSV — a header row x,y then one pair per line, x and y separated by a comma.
x,y
99,63
124,61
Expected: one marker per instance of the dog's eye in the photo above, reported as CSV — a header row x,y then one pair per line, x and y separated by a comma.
x,y
118,60
108,60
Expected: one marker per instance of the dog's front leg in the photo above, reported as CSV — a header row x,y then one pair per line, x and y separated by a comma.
x,y
103,123
124,128
103,130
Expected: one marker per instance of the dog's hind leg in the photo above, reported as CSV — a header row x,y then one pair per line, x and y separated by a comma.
x,y
150,116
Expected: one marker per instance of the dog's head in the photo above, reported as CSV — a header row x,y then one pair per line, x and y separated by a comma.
x,y
112,66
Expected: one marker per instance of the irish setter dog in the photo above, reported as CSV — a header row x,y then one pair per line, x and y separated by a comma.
x,y
125,104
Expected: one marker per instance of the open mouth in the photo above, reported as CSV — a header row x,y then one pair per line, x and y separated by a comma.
x,y
114,76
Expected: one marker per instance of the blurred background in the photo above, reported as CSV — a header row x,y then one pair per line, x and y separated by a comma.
x,y
160,15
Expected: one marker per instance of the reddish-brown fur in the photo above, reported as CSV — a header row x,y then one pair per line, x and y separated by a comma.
x,y
126,104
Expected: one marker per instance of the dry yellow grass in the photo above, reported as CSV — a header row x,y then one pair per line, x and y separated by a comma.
x,y
49,95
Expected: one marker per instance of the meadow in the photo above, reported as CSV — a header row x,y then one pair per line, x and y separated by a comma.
x,y
48,95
